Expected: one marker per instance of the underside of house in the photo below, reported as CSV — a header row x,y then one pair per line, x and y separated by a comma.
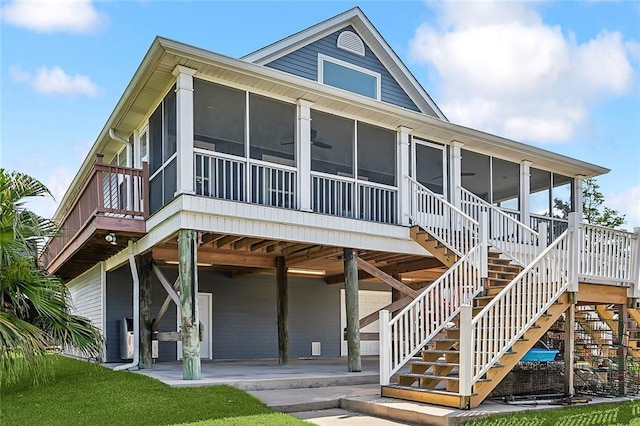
x,y
311,200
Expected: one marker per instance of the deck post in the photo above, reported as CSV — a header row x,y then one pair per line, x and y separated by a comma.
x,y
303,155
354,363
456,172
466,350
483,232
525,188
574,251
144,266
283,310
385,348
188,273
569,348
635,272
404,135
577,197
621,353
184,128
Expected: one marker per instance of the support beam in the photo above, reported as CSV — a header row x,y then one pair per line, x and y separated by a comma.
x,y
395,269
165,306
622,341
354,362
312,254
283,311
144,266
187,268
569,349
171,291
387,279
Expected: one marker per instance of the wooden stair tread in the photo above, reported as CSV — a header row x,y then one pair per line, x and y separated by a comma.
x,y
440,351
425,390
435,363
429,376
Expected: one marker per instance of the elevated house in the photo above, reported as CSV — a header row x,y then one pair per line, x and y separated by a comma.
x,y
311,199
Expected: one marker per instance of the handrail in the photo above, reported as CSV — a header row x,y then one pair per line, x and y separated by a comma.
x,y
515,239
520,304
454,228
607,254
420,321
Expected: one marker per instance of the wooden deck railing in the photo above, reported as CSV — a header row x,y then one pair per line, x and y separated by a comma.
x,y
111,191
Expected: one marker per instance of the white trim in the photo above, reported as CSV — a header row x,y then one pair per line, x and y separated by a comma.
x,y
321,60
103,290
350,42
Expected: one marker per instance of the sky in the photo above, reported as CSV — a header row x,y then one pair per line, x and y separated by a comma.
x,y
563,76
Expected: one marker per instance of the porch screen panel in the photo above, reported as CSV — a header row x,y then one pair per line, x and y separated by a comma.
x,y
271,130
332,143
218,118
506,184
170,126
429,167
476,174
155,140
376,154
540,192
170,181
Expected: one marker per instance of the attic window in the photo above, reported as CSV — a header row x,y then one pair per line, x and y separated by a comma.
x,y
349,41
347,76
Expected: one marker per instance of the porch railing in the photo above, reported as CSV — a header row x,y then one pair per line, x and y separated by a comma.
x,y
230,178
404,335
113,191
494,330
606,254
348,197
453,227
555,226
515,239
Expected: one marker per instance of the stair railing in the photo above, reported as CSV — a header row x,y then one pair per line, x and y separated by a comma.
x,y
494,330
455,229
427,315
513,238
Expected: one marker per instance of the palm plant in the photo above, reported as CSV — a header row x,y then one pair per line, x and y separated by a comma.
x,y
34,306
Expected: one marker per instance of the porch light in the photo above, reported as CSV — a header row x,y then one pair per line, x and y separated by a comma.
x,y
317,272
111,238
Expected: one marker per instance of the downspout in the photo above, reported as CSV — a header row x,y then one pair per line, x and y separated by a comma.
x,y
136,313
113,135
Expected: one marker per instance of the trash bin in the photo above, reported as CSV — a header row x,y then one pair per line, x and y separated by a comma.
x,y
126,338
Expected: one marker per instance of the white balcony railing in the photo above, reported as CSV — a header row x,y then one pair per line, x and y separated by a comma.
x,y
231,178
347,197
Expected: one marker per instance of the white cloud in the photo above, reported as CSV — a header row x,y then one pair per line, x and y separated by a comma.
x,y
505,71
626,202
58,182
49,16
56,82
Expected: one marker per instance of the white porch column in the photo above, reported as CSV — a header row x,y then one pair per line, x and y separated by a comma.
x,y
575,245
525,188
184,133
455,181
404,136
303,154
577,198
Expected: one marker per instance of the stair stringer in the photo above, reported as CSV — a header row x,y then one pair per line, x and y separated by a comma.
x,y
508,361
607,316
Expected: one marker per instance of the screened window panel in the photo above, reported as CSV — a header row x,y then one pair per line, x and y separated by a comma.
x,y
429,169
155,139
170,126
506,184
476,174
376,154
271,130
540,190
155,193
170,181
349,79
562,196
219,118
332,142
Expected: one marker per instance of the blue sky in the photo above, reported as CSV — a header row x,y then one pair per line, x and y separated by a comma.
x,y
564,76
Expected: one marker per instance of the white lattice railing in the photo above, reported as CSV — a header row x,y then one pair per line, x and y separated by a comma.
x,y
404,335
494,330
606,254
453,228
512,237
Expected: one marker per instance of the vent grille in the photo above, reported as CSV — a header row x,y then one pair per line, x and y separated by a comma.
x,y
349,41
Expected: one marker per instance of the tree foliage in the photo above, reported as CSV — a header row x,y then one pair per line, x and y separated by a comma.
x,y
34,306
594,210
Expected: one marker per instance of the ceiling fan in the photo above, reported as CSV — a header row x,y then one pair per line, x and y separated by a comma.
x,y
314,142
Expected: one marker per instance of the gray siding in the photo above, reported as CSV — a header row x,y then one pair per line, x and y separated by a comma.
x,y
244,314
304,63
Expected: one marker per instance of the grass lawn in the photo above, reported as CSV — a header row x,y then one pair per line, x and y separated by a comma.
x,y
625,413
87,394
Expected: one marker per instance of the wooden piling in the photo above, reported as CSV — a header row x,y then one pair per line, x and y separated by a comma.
x,y
354,362
187,268
283,310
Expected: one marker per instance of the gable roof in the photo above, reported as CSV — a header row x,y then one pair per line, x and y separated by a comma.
x,y
365,29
